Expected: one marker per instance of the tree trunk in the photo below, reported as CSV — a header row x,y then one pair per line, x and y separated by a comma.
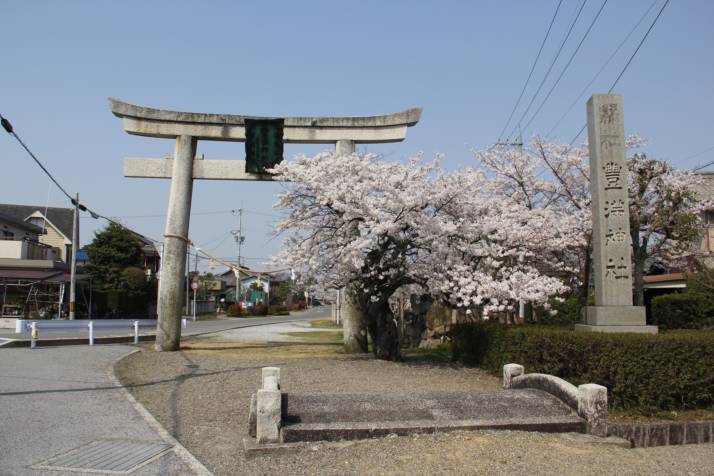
x,y
587,269
640,255
384,332
386,343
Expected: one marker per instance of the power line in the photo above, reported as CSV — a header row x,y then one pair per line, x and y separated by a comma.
x,y
703,166
638,47
602,68
699,153
216,212
10,130
629,61
530,73
570,60
550,68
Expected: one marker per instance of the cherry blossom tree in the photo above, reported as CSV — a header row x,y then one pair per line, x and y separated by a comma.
x,y
377,226
545,175
664,214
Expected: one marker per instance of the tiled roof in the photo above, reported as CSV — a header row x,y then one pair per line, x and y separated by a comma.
x,y
60,217
27,226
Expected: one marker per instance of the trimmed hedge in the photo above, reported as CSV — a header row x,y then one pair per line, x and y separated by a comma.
x,y
647,373
566,313
278,310
679,311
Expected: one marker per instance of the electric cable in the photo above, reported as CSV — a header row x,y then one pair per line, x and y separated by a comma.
x,y
570,60
550,68
10,130
629,61
530,73
602,68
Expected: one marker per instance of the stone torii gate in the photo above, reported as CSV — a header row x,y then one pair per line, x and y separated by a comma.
x,y
187,129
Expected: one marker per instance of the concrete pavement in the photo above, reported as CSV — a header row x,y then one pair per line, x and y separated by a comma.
x,y
57,399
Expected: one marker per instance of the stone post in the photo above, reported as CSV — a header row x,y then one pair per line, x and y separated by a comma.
x,y
353,322
592,406
168,327
613,310
267,428
510,371
271,378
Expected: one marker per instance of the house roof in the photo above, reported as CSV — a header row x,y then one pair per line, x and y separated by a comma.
x,y
40,275
23,225
61,218
659,278
147,245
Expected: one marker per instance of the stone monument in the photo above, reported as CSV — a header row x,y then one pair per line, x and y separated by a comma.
x,y
613,310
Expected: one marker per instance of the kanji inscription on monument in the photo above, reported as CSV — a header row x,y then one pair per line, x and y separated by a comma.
x,y
613,310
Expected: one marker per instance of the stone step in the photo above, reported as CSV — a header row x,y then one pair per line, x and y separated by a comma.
x,y
354,416
295,432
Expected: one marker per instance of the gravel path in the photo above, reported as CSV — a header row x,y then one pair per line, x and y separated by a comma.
x,y
201,396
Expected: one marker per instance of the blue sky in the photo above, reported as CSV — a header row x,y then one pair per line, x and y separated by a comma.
x,y
464,62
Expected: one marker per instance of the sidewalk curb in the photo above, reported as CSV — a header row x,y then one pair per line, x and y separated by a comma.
x,y
178,448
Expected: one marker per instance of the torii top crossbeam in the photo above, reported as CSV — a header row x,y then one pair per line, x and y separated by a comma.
x,y
146,121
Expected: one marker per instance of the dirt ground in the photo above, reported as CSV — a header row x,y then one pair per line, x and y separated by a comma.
x,y
201,395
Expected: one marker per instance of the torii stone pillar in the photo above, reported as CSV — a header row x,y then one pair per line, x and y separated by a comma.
x,y
354,335
187,129
613,310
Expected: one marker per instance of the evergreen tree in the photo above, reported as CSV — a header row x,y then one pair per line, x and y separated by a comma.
x,y
114,256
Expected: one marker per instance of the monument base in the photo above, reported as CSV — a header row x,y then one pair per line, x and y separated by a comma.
x,y
617,329
616,319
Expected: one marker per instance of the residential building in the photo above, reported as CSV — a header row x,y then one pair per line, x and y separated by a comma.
x,y
33,277
706,243
55,223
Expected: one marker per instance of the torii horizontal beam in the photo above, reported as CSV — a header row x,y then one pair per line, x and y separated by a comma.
x,y
146,121
202,169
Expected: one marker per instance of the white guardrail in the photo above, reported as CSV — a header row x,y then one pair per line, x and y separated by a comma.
x,y
24,325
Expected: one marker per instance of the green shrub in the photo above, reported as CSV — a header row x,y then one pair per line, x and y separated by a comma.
x,y
259,310
701,285
566,312
647,373
679,311
234,310
278,310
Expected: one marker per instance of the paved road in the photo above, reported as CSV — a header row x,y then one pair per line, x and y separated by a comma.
x,y
56,399
193,328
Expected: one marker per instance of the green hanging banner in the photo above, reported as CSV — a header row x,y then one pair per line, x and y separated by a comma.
x,y
263,144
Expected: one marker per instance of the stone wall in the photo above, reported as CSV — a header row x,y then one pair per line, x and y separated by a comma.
x,y
644,435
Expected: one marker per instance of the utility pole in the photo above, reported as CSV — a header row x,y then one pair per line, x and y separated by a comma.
x,y
73,270
239,241
188,281
195,276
